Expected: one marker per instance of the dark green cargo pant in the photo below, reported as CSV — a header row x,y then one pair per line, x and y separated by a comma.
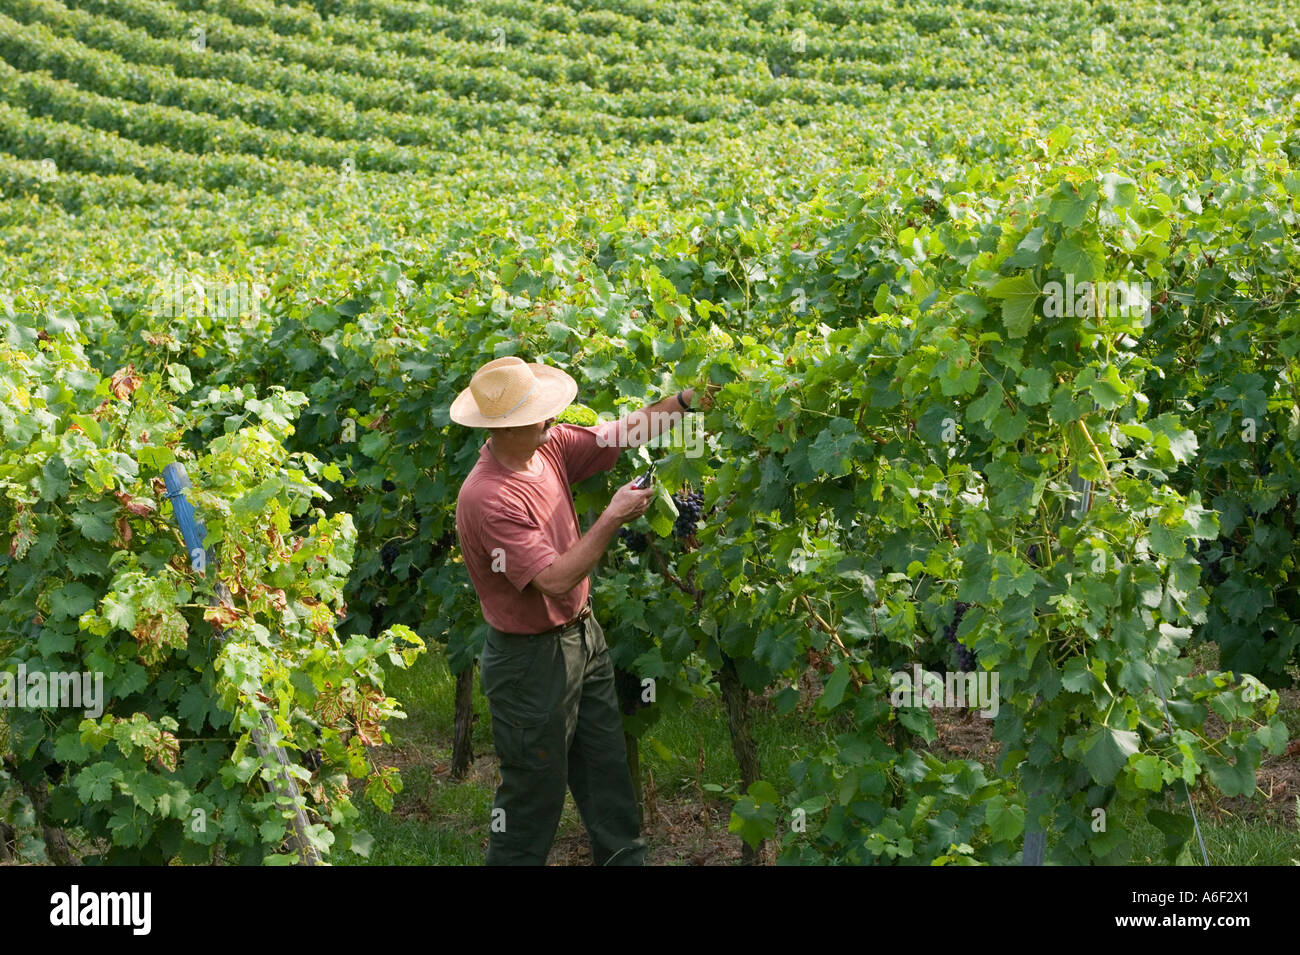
x,y
556,722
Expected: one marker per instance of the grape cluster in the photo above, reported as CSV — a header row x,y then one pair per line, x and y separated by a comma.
x,y
965,657
443,543
690,508
387,486
388,554
634,541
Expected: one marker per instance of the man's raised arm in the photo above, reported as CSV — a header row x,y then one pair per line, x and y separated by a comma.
x,y
640,427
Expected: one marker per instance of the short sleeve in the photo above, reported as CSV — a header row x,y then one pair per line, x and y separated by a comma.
x,y
587,450
516,545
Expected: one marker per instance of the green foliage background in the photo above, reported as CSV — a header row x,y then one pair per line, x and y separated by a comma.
x,y
844,214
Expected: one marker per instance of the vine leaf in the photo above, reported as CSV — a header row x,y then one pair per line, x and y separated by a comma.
x,y
1019,294
1106,751
832,452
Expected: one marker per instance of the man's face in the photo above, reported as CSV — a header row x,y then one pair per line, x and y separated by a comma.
x,y
532,435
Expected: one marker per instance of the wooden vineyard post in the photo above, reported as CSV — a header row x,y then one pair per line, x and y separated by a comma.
x,y
283,786
462,746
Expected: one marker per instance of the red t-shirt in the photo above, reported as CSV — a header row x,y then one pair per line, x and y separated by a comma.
x,y
513,525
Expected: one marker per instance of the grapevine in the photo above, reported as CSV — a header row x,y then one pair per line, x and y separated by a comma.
x,y
891,423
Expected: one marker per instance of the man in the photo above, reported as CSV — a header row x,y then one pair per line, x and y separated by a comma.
x,y
545,669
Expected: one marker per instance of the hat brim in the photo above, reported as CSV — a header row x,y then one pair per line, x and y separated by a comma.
x,y
555,391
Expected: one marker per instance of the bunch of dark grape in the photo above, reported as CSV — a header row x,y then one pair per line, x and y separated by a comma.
x,y
965,657
388,554
690,508
443,543
633,540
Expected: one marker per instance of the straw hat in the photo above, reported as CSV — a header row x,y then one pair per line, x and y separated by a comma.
x,y
508,392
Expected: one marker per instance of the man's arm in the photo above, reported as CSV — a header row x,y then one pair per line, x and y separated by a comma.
x,y
572,567
645,425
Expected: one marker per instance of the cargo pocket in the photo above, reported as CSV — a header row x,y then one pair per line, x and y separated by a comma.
x,y
531,747
518,678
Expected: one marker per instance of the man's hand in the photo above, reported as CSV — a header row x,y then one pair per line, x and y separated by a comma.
x,y
706,400
629,503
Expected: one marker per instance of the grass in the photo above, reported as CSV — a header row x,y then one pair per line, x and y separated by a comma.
x,y
1239,842
690,748
435,823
